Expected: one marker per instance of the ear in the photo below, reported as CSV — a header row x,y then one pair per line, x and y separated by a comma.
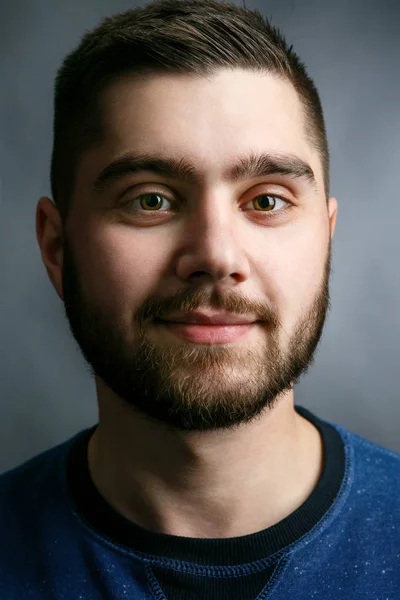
x,y
332,212
49,237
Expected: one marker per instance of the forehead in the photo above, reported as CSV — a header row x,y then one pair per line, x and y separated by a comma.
x,y
209,120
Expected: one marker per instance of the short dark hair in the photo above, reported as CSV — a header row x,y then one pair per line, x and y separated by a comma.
x,y
194,37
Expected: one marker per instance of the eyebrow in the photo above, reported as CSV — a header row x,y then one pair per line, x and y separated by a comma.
x,y
249,167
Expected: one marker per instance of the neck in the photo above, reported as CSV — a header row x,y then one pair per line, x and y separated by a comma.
x,y
205,484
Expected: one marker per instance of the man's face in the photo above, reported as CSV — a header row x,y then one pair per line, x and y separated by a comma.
x,y
144,245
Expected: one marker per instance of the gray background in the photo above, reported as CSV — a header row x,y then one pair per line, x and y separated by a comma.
x,y
352,49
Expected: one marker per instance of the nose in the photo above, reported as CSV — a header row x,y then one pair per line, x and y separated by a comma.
x,y
212,247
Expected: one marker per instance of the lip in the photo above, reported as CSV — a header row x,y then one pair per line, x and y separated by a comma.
x,y
206,333
212,319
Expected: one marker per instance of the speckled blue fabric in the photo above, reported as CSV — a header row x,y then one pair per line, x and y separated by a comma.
x,y
48,552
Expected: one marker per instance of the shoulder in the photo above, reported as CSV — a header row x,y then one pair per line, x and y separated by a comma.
x,y
23,485
37,519
373,472
374,457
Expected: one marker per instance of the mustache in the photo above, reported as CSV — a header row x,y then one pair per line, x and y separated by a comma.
x,y
194,298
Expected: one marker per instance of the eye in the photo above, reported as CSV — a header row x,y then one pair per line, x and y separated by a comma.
x,y
148,202
268,203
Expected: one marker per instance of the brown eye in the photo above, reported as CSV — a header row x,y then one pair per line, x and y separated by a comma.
x,y
151,201
148,202
265,202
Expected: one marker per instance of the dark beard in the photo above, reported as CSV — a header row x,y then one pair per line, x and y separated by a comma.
x,y
191,387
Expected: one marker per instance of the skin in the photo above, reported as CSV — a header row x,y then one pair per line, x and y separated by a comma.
x,y
221,482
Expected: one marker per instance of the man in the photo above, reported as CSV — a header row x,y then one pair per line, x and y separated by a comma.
x,y
189,240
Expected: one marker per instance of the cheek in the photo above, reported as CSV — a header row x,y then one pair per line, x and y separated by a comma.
x,y
118,268
297,273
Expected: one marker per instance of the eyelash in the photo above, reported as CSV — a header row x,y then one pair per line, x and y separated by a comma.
x,y
271,213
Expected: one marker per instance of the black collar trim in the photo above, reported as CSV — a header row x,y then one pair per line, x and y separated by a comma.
x,y
228,551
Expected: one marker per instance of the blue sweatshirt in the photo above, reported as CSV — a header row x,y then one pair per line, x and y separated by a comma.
x,y
60,540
